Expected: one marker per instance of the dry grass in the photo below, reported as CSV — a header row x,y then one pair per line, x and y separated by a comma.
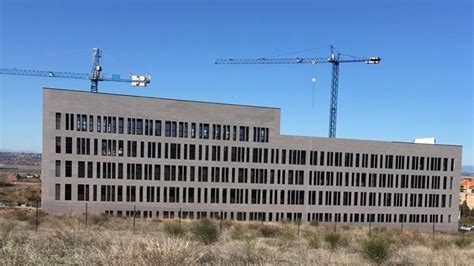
x,y
114,241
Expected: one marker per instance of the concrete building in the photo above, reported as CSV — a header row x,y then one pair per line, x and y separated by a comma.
x,y
118,152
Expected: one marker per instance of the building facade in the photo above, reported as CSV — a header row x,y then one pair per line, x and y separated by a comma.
x,y
164,158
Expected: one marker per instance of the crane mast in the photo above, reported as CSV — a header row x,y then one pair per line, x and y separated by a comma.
x,y
334,59
94,76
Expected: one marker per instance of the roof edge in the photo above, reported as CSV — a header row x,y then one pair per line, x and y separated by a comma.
x,y
168,99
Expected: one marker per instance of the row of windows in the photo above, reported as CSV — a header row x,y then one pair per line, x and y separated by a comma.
x,y
380,161
288,216
112,147
138,171
119,193
328,178
149,127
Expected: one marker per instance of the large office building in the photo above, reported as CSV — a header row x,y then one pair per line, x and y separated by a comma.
x,y
165,157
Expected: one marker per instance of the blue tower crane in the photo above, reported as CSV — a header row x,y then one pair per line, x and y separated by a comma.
x,y
94,76
333,59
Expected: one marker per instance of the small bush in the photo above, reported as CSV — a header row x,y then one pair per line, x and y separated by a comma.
x,y
377,248
239,233
21,215
334,240
269,230
287,236
205,231
440,243
462,242
100,219
173,228
314,241
314,223
253,226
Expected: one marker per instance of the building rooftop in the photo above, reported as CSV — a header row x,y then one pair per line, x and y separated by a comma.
x,y
160,98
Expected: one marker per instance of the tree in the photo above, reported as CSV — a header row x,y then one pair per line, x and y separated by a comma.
x,y
465,211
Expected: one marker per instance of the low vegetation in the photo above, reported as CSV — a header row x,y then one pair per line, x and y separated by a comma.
x,y
116,241
377,248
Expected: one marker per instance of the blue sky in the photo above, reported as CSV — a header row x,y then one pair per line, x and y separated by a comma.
x,y
422,88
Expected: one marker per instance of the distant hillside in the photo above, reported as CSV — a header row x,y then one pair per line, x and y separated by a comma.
x,y
468,170
18,158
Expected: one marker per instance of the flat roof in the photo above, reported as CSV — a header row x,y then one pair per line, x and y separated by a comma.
x,y
160,98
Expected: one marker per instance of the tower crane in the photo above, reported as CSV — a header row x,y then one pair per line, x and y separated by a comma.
x,y
333,59
94,76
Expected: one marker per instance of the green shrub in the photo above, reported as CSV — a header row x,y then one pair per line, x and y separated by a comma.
x,y
205,231
268,230
334,240
173,228
462,242
377,248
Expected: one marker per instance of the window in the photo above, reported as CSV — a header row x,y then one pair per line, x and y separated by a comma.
x,y
91,123
69,145
58,144
139,126
67,192
68,169
58,120
89,169
99,125
81,169
120,125
57,171
193,130
173,129
83,192
57,192
168,129
242,134
157,127
84,122
78,122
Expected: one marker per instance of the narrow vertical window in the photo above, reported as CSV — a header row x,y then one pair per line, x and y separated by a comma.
x,y
58,120
58,144
68,192
57,171
57,192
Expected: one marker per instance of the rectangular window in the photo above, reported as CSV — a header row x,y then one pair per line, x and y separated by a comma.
x,y
193,130
84,123
58,120
81,169
89,169
99,125
57,171
67,192
168,129
139,126
57,192
120,125
58,144
157,127
91,123
68,169
68,145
